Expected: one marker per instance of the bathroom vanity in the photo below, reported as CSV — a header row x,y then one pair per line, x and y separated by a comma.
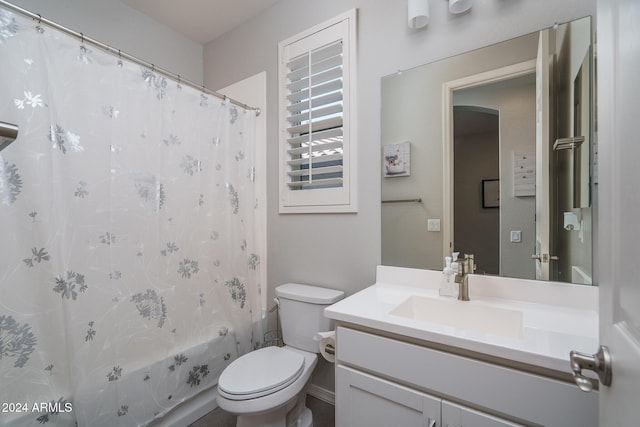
x,y
408,357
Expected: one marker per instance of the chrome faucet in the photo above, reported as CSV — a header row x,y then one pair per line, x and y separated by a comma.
x,y
465,267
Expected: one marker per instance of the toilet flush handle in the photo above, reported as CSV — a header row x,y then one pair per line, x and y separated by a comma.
x,y
275,307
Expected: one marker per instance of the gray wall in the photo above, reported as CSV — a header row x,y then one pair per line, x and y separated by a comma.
x,y
517,106
571,46
412,110
476,157
346,247
342,250
118,25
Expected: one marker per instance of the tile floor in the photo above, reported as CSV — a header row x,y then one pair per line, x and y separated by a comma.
x,y
323,416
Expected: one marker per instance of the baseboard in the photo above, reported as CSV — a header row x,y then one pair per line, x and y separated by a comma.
x,y
323,394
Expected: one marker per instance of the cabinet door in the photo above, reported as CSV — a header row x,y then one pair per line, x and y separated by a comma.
x,y
459,416
363,400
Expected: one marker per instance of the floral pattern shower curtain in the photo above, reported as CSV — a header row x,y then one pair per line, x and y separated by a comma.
x,y
129,274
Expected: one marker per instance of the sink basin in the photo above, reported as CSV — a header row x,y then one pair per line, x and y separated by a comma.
x,y
462,315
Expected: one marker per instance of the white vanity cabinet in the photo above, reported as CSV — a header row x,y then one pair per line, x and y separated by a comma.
x,y
454,415
369,401
387,382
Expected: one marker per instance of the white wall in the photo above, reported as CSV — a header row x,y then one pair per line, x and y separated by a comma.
x,y
113,23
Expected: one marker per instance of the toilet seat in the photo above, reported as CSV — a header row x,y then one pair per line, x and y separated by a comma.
x,y
260,373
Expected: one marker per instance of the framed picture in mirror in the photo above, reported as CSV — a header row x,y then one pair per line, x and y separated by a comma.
x,y
396,159
490,193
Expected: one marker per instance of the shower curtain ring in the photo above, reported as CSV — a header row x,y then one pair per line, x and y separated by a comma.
x,y
39,29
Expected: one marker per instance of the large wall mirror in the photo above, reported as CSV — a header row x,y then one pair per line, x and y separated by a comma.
x,y
491,153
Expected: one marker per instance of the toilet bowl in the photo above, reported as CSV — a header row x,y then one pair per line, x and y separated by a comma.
x,y
267,387
281,375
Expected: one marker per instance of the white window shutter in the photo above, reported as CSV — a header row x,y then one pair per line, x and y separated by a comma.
x,y
317,132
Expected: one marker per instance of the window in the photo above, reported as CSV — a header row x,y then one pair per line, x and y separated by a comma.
x,y
317,117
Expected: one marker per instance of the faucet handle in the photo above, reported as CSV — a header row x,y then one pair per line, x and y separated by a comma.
x,y
471,264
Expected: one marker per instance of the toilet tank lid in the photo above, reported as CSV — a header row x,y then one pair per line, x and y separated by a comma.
x,y
310,294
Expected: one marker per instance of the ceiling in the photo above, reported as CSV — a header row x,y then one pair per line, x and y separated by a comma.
x,y
201,20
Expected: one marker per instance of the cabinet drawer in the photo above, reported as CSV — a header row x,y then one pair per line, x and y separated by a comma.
x,y
521,395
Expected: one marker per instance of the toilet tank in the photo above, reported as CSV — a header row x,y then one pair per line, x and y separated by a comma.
x,y
301,310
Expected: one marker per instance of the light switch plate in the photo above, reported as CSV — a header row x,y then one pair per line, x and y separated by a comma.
x,y
433,225
516,236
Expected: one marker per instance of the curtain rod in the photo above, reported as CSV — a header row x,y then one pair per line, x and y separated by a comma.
x,y
85,39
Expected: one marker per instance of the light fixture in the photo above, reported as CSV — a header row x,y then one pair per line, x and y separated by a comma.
x,y
459,6
418,13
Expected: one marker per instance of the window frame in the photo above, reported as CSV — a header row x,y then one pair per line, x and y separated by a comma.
x,y
321,200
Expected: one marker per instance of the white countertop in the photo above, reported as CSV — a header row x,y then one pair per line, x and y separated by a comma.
x,y
556,318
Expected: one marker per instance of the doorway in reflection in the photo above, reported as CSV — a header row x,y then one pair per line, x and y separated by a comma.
x,y
494,134
476,165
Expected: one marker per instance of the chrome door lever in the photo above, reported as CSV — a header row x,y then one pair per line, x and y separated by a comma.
x,y
545,257
600,363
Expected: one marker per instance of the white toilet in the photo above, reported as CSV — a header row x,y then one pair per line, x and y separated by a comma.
x,y
268,387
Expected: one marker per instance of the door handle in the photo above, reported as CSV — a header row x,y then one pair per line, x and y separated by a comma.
x,y
545,257
600,363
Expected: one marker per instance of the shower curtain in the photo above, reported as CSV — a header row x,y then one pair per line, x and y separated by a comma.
x,y
129,268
